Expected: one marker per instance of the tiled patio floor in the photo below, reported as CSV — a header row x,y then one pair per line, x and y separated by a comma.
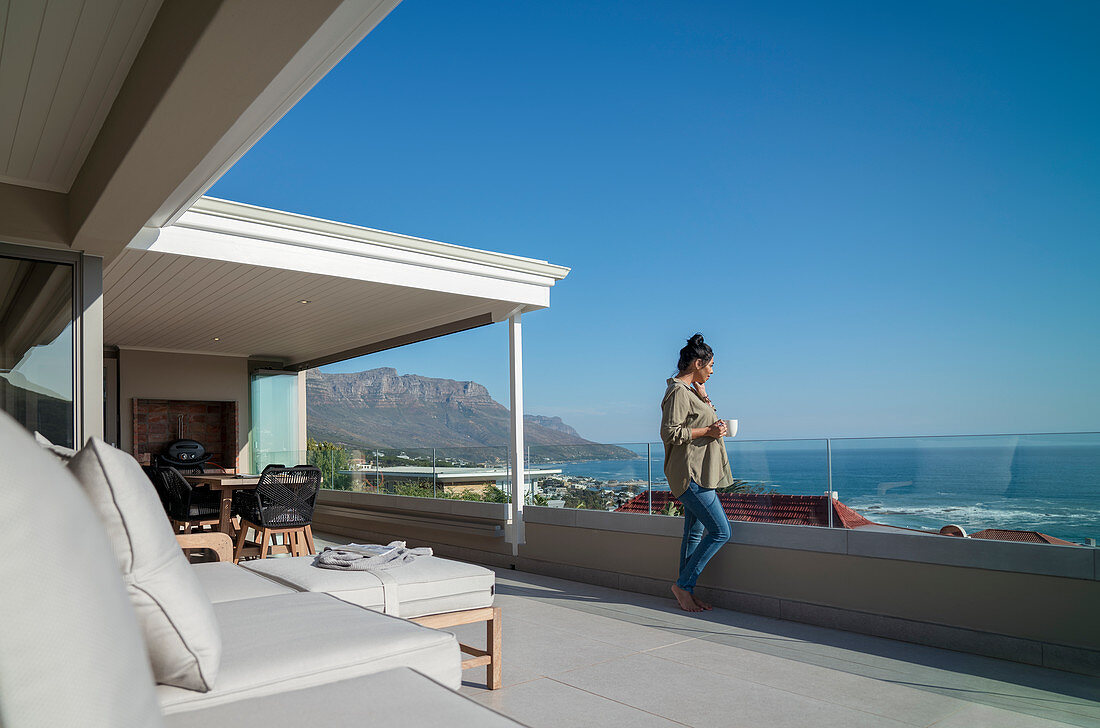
x,y
583,655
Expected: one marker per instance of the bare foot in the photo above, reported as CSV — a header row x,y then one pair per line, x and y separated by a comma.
x,y
684,598
705,606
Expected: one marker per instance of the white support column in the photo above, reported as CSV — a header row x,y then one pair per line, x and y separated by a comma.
x,y
88,394
302,417
516,445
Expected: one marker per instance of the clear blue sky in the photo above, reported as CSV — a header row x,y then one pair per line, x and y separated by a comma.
x,y
885,217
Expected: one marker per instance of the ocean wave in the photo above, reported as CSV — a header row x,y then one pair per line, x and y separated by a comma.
x,y
977,513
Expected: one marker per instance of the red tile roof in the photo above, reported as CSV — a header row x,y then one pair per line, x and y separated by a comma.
x,y
800,510
997,534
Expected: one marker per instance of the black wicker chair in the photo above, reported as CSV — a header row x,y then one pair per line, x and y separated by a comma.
x,y
282,504
188,506
151,473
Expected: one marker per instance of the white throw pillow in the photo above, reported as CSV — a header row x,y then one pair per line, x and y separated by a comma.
x,y
181,632
62,453
71,651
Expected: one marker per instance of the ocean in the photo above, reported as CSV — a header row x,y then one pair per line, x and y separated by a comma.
x,y
1046,483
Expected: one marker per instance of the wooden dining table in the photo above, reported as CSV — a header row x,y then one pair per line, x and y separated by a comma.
x,y
226,484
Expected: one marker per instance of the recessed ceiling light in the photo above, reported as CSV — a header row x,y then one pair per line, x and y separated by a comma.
x,y
217,339
304,300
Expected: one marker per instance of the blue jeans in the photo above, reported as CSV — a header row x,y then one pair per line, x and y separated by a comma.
x,y
702,511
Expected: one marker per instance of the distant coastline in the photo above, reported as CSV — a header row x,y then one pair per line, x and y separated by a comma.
x,y
1039,486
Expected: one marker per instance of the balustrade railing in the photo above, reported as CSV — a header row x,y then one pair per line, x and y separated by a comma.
x,y
1045,483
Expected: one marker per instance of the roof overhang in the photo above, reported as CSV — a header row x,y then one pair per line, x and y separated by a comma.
x,y
120,116
229,278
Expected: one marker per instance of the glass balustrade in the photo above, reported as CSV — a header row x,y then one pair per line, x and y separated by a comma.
x,y
1043,487
971,485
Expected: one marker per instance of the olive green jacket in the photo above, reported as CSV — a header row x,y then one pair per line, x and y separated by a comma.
x,y
702,459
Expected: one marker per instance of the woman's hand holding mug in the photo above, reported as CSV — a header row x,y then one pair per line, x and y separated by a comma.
x,y
717,430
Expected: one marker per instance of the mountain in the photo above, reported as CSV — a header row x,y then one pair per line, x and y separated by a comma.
x,y
551,423
380,408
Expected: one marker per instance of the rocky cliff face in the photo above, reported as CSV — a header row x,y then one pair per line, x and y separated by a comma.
x,y
384,387
551,423
380,408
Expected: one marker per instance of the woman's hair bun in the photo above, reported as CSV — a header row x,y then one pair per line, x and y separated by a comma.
x,y
696,340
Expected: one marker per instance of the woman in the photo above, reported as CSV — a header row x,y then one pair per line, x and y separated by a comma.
x,y
695,464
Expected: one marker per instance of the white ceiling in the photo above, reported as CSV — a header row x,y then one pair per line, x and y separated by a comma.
x,y
181,303
62,62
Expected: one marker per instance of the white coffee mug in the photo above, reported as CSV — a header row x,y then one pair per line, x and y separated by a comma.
x,y
731,428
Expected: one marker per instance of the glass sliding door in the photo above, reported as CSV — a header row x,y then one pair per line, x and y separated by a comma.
x,y
274,419
37,360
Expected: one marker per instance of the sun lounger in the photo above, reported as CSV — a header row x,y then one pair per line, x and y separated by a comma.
x,y
432,591
83,644
399,698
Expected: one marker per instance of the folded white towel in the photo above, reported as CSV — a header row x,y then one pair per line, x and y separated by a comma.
x,y
368,557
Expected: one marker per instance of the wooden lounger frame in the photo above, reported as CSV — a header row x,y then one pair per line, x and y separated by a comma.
x,y
220,543
490,656
222,546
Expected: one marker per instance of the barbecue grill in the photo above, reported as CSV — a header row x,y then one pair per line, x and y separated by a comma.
x,y
184,453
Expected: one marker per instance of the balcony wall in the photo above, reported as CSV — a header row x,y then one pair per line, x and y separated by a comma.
x,y
468,530
1035,604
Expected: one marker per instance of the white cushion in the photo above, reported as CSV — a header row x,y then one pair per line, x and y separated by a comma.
x,y
400,697
71,651
226,582
427,585
181,632
294,641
